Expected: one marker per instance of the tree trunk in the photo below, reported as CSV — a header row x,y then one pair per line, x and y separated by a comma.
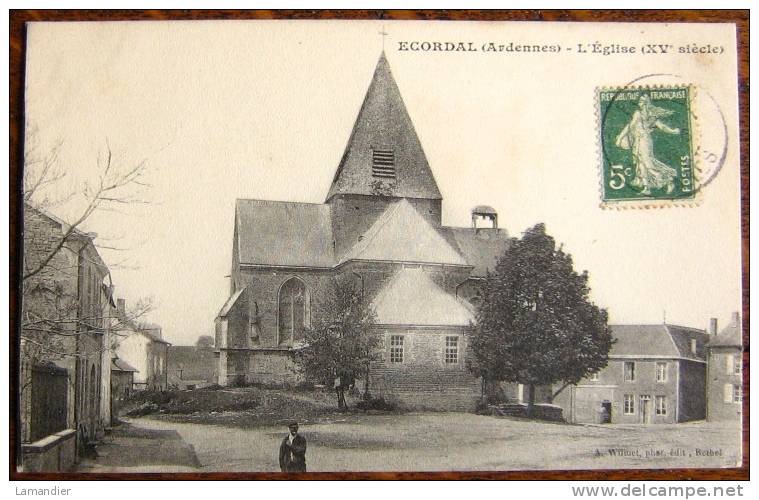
x,y
530,399
367,394
340,397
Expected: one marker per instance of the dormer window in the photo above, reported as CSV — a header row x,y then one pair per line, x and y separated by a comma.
x,y
383,163
693,346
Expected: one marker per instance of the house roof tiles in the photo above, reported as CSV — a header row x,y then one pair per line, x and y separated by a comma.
x,y
658,340
730,336
282,233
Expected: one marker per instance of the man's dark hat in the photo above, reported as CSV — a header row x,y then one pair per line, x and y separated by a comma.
x,y
292,423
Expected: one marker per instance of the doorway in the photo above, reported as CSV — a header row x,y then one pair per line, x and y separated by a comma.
x,y
645,409
606,412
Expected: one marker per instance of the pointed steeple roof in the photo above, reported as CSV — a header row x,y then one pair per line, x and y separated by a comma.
x,y
401,234
384,129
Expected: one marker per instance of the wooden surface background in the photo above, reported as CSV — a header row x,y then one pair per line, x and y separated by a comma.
x,y
18,20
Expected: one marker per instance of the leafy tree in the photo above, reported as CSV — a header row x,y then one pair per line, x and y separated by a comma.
x,y
204,341
340,343
535,322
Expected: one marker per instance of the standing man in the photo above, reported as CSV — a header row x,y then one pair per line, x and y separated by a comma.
x,y
292,451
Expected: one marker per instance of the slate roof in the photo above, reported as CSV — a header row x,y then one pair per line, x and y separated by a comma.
x,y
119,365
401,234
384,123
730,336
152,336
410,297
481,248
658,340
284,233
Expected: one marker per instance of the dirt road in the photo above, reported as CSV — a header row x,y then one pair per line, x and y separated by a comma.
x,y
461,441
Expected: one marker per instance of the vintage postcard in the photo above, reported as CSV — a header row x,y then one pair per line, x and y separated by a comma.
x,y
332,245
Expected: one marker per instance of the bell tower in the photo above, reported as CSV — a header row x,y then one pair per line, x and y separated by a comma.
x,y
383,161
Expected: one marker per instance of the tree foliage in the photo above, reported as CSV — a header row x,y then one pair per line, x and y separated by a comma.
x,y
204,341
340,342
535,322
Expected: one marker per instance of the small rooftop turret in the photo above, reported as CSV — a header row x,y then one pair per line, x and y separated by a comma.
x,y
484,212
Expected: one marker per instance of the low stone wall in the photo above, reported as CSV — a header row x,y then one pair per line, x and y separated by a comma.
x,y
275,368
54,453
549,412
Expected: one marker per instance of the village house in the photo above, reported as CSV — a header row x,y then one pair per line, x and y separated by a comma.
x,y
656,374
122,383
380,227
725,373
65,328
142,347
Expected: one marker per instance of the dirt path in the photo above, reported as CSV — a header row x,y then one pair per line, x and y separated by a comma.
x,y
132,447
459,441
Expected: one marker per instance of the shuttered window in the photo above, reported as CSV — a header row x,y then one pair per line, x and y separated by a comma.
x,y
383,163
661,372
728,393
737,394
661,405
629,371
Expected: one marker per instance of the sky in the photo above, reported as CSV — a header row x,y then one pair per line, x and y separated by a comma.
x,y
221,110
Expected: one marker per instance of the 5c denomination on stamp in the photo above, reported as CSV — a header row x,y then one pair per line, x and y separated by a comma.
x,y
647,145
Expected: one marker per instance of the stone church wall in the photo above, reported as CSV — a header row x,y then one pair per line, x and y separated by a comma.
x,y
273,368
263,296
424,380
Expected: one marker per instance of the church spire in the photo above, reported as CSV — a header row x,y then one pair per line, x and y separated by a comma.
x,y
384,155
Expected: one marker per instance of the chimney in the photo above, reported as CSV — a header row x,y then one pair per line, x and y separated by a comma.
x,y
121,308
736,320
713,326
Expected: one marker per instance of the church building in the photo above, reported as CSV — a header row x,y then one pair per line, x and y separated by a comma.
x,y
379,226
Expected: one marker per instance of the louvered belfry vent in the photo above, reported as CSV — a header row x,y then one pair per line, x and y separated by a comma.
x,y
383,163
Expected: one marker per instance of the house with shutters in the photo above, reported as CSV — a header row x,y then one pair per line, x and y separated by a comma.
x,y
725,373
380,226
656,374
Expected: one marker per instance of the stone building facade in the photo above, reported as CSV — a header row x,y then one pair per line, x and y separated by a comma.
x,y
380,227
66,305
656,374
725,373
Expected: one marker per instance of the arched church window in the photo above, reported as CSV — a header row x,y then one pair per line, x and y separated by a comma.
x,y
294,311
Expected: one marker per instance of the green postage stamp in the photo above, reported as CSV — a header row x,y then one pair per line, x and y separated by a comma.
x,y
647,145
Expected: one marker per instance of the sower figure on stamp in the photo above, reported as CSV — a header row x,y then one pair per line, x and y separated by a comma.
x,y
637,136
292,451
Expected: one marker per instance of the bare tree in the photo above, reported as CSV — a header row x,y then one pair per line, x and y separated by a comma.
x,y
66,287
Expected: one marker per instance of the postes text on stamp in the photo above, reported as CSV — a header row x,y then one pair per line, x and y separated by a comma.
x,y
646,145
